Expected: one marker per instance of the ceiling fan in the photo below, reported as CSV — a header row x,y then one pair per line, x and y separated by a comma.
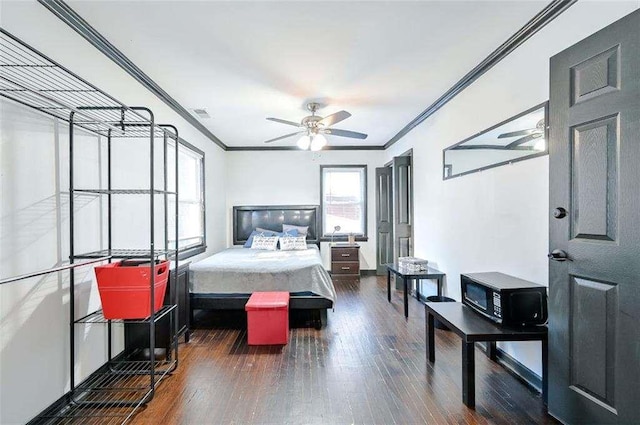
x,y
314,127
528,135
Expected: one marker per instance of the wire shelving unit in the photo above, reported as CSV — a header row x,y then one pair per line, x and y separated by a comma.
x,y
114,392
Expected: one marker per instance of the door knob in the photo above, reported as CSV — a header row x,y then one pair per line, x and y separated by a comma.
x,y
559,213
558,255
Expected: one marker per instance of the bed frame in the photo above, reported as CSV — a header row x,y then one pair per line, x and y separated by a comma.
x,y
272,217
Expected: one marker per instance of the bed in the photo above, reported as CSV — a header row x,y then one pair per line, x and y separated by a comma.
x,y
226,280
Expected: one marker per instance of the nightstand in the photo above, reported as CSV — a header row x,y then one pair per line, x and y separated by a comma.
x,y
345,260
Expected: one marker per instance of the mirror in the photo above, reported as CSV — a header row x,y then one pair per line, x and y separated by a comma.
x,y
518,138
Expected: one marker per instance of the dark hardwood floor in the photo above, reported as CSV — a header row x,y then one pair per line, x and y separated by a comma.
x,y
368,366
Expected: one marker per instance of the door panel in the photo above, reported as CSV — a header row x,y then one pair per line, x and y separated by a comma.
x,y
594,177
592,341
384,219
594,299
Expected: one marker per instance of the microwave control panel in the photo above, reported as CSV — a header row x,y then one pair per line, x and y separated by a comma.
x,y
497,309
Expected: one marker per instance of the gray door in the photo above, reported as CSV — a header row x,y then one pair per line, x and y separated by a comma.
x,y
403,202
384,218
594,299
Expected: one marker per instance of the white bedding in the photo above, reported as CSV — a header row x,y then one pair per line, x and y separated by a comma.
x,y
245,270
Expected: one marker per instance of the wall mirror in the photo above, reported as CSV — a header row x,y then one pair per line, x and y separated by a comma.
x,y
518,138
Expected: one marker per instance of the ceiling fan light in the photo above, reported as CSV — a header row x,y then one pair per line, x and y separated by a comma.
x,y
304,142
318,142
540,145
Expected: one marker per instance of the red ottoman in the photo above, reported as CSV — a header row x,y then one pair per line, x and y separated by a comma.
x,y
268,318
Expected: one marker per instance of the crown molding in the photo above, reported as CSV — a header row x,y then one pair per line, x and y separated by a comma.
x,y
539,21
65,13
294,148
69,16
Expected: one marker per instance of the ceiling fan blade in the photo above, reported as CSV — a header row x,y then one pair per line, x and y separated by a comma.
x,y
523,140
518,133
295,124
332,119
346,133
284,137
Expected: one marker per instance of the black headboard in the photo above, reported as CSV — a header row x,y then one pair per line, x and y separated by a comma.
x,y
272,217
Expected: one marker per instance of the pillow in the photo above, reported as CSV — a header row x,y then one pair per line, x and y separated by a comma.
x,y
295,243
302,230
290,232
270,243
255,233
260,229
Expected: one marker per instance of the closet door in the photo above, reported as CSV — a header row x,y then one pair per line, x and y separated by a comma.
x,y
594,275
384,219
403,202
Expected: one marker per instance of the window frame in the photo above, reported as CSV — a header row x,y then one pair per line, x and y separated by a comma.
x,y
193,250
343,237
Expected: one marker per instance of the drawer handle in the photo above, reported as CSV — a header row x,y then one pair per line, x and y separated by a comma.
x,y
346,268
346,255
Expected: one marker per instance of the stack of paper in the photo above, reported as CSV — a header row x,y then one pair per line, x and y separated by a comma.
x,y
413,264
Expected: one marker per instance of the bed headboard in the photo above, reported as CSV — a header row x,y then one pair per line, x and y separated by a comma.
x,y
272,217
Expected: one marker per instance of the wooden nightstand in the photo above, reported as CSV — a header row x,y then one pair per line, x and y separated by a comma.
x,y
345,260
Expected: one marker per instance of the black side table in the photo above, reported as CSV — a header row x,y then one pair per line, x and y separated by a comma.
x,y
472,328
407,275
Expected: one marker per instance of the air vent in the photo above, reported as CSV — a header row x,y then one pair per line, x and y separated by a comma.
x,y
201,113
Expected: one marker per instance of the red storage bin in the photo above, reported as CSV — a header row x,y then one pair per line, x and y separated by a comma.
x,y
268,318
124,288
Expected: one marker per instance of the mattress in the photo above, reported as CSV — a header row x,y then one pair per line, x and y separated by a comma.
x,y
245,270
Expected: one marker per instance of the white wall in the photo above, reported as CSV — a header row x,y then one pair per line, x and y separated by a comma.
x,y
293,177
34,219
34,229
496,219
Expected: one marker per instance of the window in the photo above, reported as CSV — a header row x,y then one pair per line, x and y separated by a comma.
x,y
343,199
191,228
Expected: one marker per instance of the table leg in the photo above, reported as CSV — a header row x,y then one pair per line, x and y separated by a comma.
x,y
389,285
431,345
440,283
545,370
492,350
468,375
406,297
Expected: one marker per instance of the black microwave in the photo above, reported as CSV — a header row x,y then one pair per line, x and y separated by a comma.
x,y
505,299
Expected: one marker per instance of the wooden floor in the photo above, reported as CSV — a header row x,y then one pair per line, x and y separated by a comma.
x,y
366,367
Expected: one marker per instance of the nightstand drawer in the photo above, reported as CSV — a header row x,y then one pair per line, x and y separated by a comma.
x,y
345,267
344,254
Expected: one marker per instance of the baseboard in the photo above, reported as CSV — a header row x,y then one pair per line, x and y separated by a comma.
x,y
65,399
520,371
371,272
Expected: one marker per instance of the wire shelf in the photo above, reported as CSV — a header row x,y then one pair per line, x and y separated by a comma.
x,y
30,78
125,253
110,395
125,191
98,317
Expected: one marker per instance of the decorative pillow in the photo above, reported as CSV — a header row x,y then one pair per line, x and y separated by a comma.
x,y
295,243
260,229
302,230
270,243
255,233
290,232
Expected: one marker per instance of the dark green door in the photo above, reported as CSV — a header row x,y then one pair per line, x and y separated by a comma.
x,y
594,297
403,201
384,219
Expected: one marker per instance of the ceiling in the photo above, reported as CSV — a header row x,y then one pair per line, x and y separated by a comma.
x,y
384,62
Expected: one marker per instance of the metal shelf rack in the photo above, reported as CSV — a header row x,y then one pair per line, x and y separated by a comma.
x,y
117,389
